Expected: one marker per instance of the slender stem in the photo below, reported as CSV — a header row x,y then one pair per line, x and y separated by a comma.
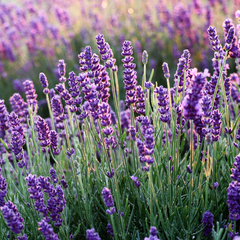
x,y
169,96
224,95
216,88
50,111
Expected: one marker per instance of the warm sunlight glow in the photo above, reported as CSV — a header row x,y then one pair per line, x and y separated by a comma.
x,y
130,10
104,4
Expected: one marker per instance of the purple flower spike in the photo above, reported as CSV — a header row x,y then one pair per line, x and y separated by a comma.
x,y
229,39
207,223
3,116
18,106
47,230
107,197
148,85
189,169
144,57
214,39
216,125
43,80
110,230
153,234
140,101
43,132
130,75
137,183
233,200
106,52
24,237
61,68
30,93
3,189
191,103
163,103
13,218
53,175
91,235
166,70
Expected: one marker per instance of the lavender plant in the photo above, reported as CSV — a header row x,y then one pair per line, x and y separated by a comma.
x,y
90,171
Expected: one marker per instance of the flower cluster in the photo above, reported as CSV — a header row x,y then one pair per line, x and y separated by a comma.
x,y
234,191
146,147
62,71
47,230
140,100
105,116
19,106
17,141
91,235
58,111
43,80
3,189
130,75
54,142
216,117
108,199
3,116
13,218
191,103
136,182
163,103
106,52
207,221
43,132
153,234
30,94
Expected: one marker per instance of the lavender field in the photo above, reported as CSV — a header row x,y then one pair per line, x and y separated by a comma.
x,y
120,120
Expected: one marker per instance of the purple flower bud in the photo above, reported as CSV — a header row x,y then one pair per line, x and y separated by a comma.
x,y
148,85
47,230
207,221
53,175
43,80
107,197
30,93
91,235
137,183
153,234
61,68
43,132
110,230
144,57
3,189
166,70
3,116
189,169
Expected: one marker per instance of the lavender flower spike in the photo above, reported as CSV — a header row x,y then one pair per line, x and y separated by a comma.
x,y
3,189
153,234
108,199
43,80
47,230
207,223
91,235
13,218
144,57
166,70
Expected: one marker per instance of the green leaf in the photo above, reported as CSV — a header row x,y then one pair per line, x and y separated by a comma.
x,y
5,145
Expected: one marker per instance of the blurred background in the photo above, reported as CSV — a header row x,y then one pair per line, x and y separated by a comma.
x,y
36,34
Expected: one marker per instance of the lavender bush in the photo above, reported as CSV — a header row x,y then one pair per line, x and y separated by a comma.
x,y
32,40
165,162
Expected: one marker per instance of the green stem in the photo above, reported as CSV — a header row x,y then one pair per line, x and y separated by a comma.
x,y
50,111
216,88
